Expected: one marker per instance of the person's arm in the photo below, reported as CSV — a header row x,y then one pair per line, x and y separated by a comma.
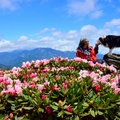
x,y
96,48
77,54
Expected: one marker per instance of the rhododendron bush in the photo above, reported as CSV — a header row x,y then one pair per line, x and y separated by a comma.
x,y
60,89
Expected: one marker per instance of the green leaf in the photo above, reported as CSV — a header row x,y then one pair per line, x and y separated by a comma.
x,y
20,118
28,108
54,107
92,112
24,103
1,117
46,100
64,102
118,113
2,107
40,110
20,100
56,103
60,114
85,105
77,118
10,101
68,113
100,113
118,103
13,107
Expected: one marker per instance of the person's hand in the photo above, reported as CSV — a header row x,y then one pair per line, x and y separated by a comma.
x,y
97,44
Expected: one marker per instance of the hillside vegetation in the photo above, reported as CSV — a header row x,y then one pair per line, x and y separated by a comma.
x,y
60,89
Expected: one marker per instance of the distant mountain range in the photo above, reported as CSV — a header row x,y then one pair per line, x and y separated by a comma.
x,y
17,57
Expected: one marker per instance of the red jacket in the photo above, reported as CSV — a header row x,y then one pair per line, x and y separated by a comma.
x,y
91,57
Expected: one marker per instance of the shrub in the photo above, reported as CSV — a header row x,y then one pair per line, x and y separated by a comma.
x,y
60,89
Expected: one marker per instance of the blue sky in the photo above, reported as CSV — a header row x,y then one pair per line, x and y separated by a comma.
x,y
57,24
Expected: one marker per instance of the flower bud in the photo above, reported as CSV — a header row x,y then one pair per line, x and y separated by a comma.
x,y
26,114
90,102
60,103
11,115
21,110
33,95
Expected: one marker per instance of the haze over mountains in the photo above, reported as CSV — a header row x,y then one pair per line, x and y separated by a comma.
x,y
17,57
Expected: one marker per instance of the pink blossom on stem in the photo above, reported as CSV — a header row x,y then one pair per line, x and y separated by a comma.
x,y
69,109
26,64
46,82
97,88
32,85
6,118
65,86
43,97
116,90
40,87
48,110
33,75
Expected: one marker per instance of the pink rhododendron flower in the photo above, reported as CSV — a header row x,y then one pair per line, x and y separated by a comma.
x,y
116,90
118,76
55,88
57,77
3,92
18,89
25,83
45,61
69,109
28,71
40,87
112,68
46,82
116,80
91,63
32,85
65,86
15,73
101,68
25,76
6,118
33,75
1,73
97,88
113,84
26,65
83,73
43,97
66,81
36,63
48,110
33,71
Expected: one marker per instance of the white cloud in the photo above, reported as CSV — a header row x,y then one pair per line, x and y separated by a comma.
x,y
46,39
44,30
23,38
11,4
81,8
118,27
58,34
71,35
60,40
88,30
6,45
7,4
113,23
96,14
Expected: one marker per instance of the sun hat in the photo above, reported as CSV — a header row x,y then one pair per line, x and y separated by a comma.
x,y
82,41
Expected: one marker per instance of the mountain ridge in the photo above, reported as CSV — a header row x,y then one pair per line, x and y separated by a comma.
x,y
17,57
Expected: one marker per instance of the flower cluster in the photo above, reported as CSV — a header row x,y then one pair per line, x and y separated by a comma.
x,y
60,89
